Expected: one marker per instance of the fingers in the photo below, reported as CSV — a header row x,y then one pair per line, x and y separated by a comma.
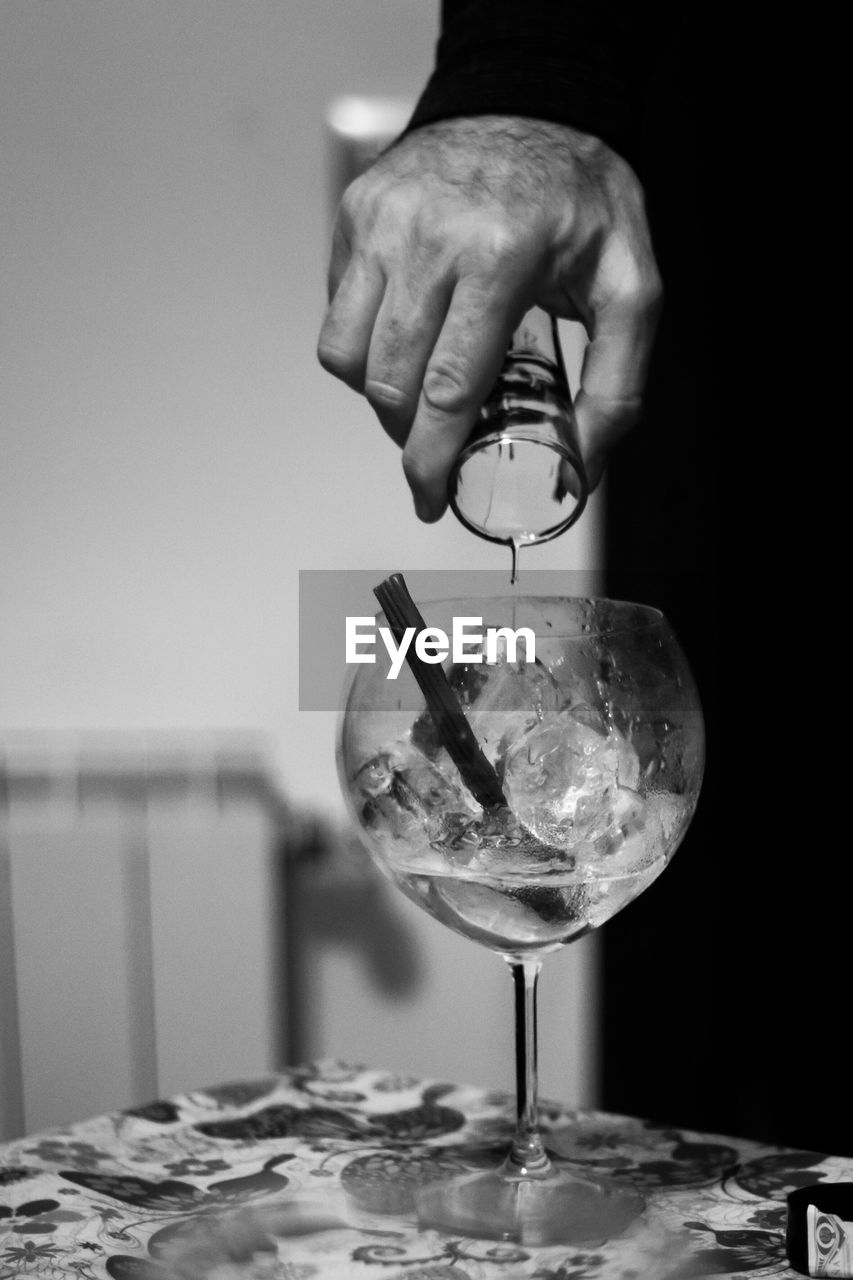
x,y
344,340
406,330
378,338
425,354
460,372
438,244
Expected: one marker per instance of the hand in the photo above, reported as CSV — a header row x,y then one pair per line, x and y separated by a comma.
x,y
441,247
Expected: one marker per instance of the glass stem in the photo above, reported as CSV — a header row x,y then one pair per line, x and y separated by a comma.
x,y
527,1157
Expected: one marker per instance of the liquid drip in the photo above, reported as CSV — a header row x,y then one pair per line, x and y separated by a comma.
x,y
515,548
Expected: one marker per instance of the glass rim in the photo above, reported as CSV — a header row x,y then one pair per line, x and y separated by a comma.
x,y
518,435
649,615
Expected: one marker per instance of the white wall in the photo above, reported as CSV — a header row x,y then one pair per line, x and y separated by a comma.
x,y
171,454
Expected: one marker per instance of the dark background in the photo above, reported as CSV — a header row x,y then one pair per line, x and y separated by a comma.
x,y
726,983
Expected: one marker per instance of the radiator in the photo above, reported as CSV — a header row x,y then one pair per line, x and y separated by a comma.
x,y
141,922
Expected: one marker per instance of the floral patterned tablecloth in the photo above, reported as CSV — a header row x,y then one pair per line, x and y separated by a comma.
x,y
311,1174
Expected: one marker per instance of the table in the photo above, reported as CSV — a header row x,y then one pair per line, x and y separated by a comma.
x,y
310,1173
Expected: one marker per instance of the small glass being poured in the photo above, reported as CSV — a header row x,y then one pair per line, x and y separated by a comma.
x,y
519,478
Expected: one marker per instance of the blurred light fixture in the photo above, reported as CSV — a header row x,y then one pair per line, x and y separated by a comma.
x,y
360,127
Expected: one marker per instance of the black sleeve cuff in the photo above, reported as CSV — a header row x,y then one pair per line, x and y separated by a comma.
x,y
582,65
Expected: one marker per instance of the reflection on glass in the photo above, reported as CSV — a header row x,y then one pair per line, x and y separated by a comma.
x,y
519,479
569,800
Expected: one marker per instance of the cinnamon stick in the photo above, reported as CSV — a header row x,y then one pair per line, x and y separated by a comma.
x,y
447,714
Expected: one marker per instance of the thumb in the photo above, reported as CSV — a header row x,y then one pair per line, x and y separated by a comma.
x,y
602,422
613,378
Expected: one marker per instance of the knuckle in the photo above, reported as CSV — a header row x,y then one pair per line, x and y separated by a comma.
x,y
385,397
339,362
637,286
471,241
497,247
447,386
646,295
621,175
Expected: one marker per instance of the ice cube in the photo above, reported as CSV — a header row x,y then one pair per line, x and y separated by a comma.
x,y
591,716
466,679
521,918
514,698
403,793
500,701
518,686
488,912
429,789
565,779
625,844
627,819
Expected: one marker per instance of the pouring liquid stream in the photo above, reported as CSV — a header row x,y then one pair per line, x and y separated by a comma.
x,y
515,545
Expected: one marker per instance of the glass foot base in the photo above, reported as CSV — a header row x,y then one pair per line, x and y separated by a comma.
x,y
558,1208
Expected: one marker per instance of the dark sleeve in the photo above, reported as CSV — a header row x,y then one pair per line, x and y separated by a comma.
x,y
582,64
